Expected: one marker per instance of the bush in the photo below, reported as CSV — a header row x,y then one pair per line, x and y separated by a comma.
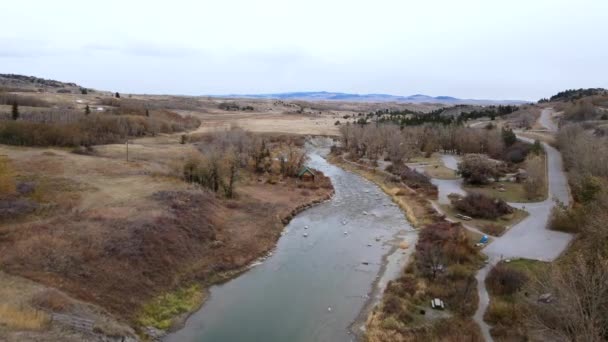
x,y
12,207
481,206
501,312
478,169
493,229
509,138
503,280
517,152
415,179
566,220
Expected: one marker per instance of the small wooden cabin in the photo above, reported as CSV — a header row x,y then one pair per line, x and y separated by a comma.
x,y
306,174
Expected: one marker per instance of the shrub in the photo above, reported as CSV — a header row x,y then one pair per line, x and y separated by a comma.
x,y
415,179
493,229
481,206
509,138
229,106
501,311
503,280
566,220
478,169
12,207
458,271
516,153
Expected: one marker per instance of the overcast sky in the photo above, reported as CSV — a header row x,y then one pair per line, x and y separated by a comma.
x,y
507,49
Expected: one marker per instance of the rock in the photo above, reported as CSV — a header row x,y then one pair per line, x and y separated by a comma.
x,y
545,298
154,334
403,245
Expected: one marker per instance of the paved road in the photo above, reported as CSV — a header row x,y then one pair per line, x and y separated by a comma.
x,y
546,120
530,238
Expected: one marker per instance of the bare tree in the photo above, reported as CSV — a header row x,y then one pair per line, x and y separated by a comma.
x,y
534,183
579,310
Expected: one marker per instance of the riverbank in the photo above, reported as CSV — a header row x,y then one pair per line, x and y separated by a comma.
x,y
416,206
170,311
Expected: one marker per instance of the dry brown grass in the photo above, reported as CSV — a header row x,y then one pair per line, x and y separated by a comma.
x,y
51,300
137,222
23,318
440,172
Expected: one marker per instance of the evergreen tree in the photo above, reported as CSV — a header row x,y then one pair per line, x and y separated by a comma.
x,y
87,110
117,95
147,113
537,148
15,111
508,137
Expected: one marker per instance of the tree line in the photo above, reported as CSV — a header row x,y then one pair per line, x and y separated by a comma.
x,y
225,155
408,117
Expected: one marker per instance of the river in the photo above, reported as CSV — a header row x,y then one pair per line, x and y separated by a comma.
x,y
313,288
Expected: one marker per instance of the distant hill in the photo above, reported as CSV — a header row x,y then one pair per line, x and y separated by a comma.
x,y
333,96
12,82
575,94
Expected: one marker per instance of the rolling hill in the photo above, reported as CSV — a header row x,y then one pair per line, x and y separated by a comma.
x,y
336,96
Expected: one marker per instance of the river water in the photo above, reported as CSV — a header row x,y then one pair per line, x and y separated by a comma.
x,y
312,288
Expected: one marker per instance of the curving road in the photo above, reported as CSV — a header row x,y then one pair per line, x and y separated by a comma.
x,y
530,238
546,120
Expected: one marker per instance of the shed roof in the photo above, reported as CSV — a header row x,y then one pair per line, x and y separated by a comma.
x,y
305,170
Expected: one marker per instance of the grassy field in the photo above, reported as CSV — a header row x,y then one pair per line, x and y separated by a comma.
x,y
440,172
